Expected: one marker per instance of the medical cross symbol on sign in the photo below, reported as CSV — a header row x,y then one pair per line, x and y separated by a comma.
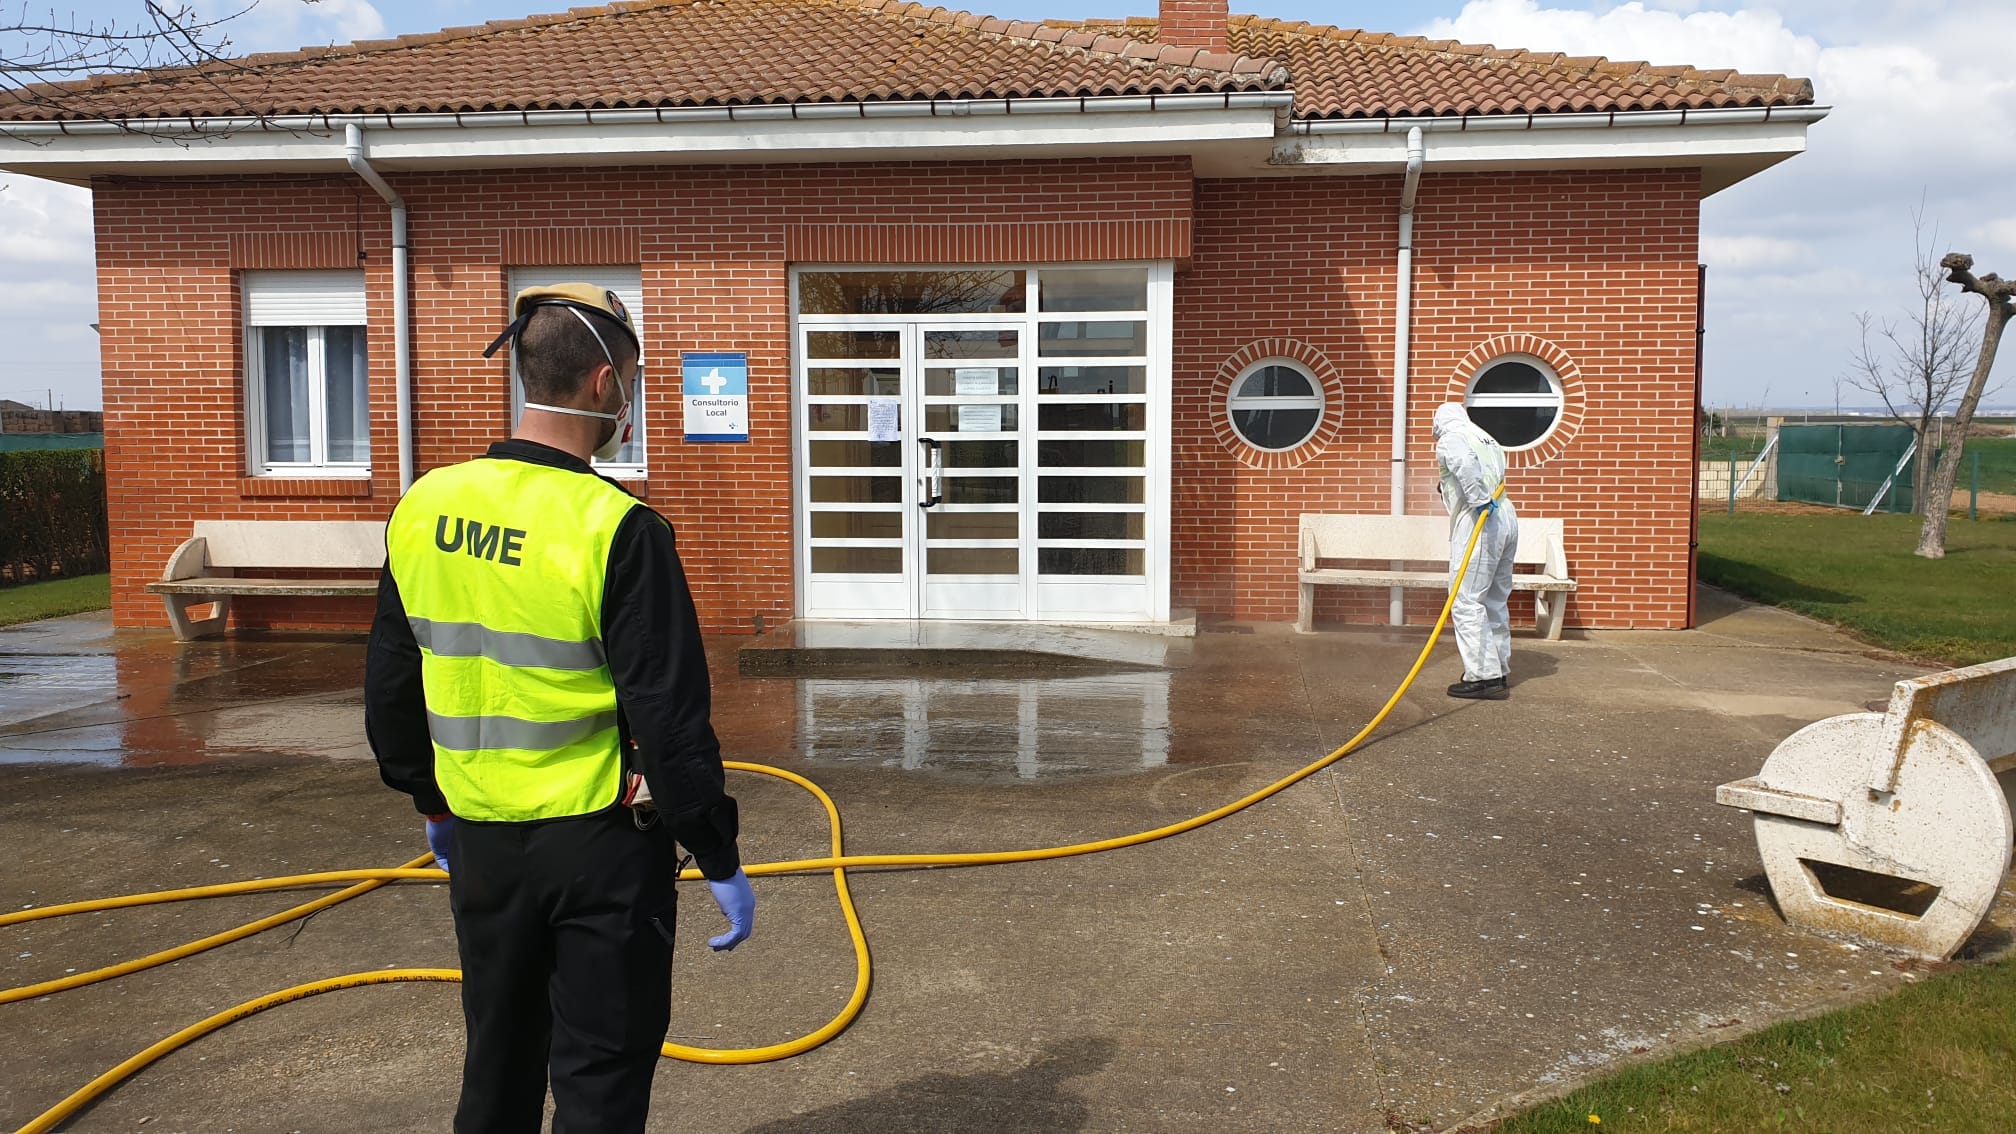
x,y
717,395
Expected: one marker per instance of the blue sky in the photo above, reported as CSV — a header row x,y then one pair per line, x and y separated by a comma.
x,y
1925,111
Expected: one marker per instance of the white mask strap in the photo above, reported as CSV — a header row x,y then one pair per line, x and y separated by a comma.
x,y
570,410
615,371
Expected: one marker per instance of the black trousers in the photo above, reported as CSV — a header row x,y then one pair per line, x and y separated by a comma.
x,y
565,931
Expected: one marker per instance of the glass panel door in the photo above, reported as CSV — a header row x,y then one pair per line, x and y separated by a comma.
x,y
984,444
973,560
1094,496
856,489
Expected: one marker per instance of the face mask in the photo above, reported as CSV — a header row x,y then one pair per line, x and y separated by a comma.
x,y
620,435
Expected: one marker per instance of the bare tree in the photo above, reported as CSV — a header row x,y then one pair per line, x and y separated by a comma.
x,y
1918,365
40,55
2001,297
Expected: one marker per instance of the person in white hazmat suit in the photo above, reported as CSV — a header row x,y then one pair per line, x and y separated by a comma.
x,y
1473,467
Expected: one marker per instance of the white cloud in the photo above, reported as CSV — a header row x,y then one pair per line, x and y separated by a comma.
x,y
284,25
1755,40
76,298
1924,111
42,222
46,265
1741,252
1998,235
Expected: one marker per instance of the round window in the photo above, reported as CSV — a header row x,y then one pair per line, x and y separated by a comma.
x,y
1516,399
1275,405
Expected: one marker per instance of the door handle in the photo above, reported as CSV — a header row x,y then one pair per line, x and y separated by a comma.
x,y
932,483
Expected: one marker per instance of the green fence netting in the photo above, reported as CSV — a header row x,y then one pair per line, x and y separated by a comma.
x,y
1845,465
24,442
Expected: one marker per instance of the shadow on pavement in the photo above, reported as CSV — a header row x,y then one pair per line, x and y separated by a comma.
x,y
1031,1099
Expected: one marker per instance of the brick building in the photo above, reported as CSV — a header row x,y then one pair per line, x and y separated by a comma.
x,y
1056,322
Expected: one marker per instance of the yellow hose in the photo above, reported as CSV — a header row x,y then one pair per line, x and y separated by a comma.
x,y
862,968
48,1119
376,878
838,863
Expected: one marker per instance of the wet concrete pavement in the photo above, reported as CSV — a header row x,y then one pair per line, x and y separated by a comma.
x,y
1486,900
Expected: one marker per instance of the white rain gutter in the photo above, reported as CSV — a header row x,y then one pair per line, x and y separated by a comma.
x,y
1482,123
1280,101
1403,314
402,361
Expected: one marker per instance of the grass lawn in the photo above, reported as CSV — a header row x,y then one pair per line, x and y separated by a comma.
x,y
1998,467
56,597
1933,1057
1858,572
1744,448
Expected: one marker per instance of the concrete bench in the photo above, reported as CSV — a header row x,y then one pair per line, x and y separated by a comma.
x,y
205,569
1893,826
1425,539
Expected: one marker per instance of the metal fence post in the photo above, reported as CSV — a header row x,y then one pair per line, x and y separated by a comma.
x,y
1974,486
1732,483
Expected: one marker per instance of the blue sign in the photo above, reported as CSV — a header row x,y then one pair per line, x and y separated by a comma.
x,y
717,395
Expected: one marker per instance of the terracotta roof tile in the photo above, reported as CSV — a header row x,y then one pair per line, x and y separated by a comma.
x,y
1344,73
667,53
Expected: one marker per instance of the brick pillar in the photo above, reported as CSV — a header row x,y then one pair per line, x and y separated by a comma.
x,y
1195,23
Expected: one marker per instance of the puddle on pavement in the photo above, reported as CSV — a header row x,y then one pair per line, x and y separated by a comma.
x,y
329,729
150,703
982,730
36,685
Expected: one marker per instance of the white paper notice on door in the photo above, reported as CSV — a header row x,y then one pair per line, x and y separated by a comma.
x,y
979,419
883,423
976,381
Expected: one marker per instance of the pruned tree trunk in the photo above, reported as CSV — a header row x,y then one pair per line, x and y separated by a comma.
x,y
2001,297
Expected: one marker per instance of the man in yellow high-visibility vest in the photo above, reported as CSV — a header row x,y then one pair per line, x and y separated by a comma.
x,y
535,668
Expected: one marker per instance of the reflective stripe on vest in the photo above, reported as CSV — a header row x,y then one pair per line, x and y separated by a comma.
x,y
501,564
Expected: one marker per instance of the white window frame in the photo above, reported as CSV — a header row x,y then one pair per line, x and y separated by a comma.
x,y
313,300
627,281
1554,398
1318,401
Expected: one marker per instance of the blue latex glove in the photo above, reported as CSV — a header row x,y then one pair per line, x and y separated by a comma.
x,y
440,837
738,905
1489,507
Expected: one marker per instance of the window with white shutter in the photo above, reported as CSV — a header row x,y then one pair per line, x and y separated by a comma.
x,y
308,400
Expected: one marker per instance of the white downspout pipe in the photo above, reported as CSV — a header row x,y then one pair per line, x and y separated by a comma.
x,y
1403,311
402,360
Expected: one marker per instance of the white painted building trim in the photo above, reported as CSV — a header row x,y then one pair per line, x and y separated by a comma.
x,y
1728,144
1230,135
666,115
963,128
1490,123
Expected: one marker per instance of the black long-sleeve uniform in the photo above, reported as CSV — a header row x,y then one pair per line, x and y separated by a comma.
x,y
565,925
651,635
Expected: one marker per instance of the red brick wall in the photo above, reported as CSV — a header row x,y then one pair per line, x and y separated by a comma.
x,y
712,246
1194,23
1598,267
1594,271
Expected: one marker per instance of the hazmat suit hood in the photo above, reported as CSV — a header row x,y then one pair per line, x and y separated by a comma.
x,y
1448,416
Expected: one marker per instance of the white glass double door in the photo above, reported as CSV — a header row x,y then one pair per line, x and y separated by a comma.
x,y
946,471
913,455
